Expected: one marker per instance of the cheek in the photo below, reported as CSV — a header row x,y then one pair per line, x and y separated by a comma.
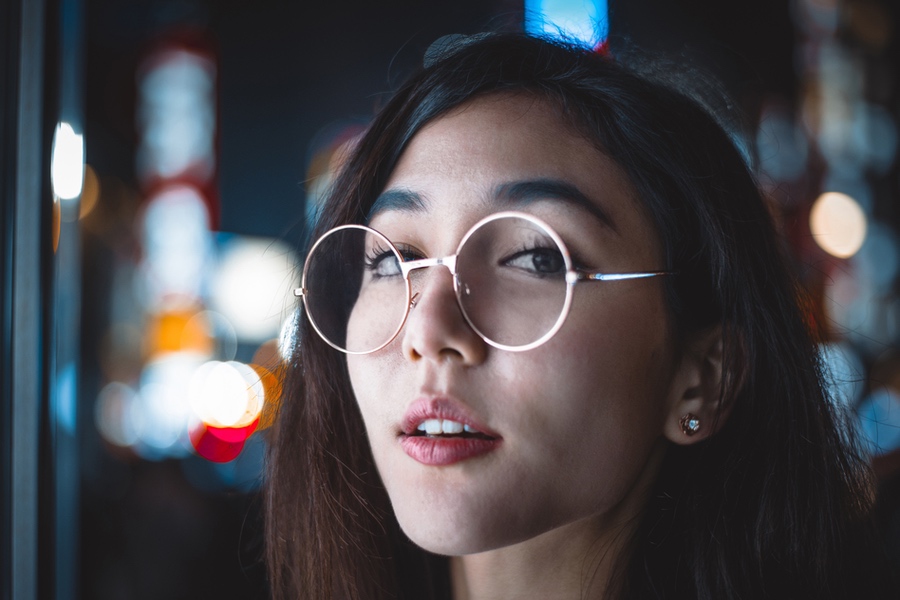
x,y
375,317
364,379
600,389
615,344
377,380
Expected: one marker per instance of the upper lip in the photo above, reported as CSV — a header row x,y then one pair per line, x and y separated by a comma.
x,y
441,407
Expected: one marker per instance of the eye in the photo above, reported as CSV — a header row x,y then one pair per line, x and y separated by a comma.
x,y
538,261
382,262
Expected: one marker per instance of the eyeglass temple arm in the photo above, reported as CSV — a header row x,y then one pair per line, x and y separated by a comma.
x,y
573,276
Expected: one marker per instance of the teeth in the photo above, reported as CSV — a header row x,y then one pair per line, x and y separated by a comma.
x,y
451,427
439,426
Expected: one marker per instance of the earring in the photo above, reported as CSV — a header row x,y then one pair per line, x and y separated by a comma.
x,y
690,424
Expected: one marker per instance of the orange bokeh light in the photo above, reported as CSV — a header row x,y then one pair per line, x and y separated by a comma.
x,y
178,331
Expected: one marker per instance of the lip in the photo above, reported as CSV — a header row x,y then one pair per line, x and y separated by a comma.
x,y
440,451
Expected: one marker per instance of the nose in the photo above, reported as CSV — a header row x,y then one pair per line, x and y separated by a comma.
x,y
436,329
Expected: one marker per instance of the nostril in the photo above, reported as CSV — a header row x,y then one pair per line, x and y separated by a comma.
x,y
451,353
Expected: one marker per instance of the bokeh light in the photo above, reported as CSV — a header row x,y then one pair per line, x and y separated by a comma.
x,y
271,368
67,162
179,330
218,444
838,224
582,21
218,395
879,420
227,399
177,246
163,408
251,287
879,412
226,394
177,116
272,384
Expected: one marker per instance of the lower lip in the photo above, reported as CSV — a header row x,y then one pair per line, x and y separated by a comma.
x,y
439,452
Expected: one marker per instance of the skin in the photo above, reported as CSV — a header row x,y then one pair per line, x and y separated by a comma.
x,y
584,418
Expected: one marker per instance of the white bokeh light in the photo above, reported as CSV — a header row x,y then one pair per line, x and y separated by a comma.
x,y
252,287
226,394
176,116
67,162
163,412
838,224
177,244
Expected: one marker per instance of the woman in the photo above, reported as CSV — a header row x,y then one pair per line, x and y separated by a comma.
x,y
519,428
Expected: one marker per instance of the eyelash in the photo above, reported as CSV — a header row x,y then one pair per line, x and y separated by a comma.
x,y
379,252
542,244
409,252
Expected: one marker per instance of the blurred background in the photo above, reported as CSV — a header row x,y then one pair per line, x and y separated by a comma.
x,y
162,161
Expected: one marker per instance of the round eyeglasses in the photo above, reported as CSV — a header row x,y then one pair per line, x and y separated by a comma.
x,y
512,274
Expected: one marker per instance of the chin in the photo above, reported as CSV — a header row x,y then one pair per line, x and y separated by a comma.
x,y
441,532
447,545
456,535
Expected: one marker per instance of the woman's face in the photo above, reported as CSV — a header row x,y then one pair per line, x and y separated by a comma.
x,y
569,433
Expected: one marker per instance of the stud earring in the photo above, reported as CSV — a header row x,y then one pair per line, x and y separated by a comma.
x,y
690,424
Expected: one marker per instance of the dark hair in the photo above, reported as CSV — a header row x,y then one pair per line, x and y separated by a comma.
x,y
776,504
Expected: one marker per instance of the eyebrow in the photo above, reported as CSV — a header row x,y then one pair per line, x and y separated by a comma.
x,y
514,192
534,190
397,199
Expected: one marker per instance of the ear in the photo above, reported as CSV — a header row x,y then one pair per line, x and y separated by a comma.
x,y
695,401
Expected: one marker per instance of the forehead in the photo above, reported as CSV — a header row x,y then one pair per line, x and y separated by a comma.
x,y
494,142
508,131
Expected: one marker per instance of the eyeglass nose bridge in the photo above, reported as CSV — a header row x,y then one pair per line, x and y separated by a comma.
x,y
407,267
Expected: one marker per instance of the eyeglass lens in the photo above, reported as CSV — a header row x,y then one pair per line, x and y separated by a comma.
x,y
511,285
356,297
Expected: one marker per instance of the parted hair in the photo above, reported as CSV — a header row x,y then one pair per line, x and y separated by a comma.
x,y
776,504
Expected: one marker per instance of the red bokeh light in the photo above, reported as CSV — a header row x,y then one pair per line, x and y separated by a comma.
x,y
220,444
